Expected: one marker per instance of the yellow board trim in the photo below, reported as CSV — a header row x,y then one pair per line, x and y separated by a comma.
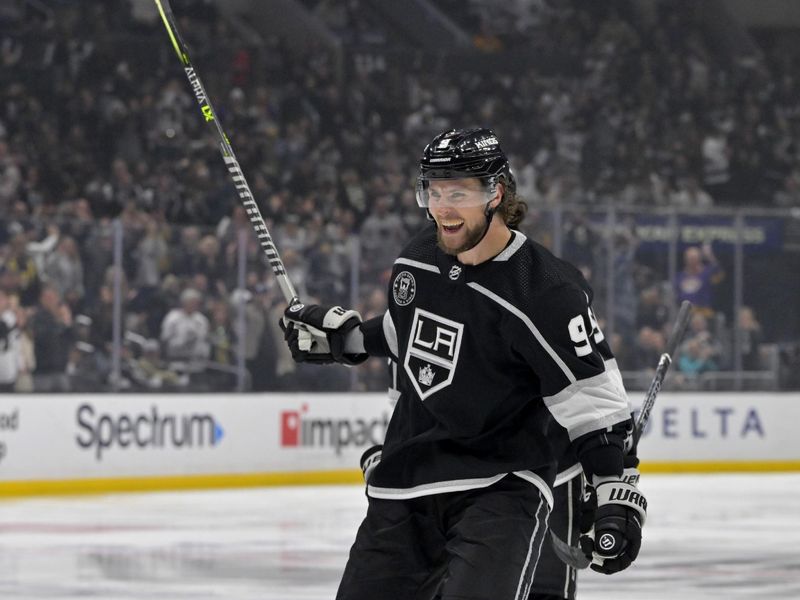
x,y
179,482
47,487
728,466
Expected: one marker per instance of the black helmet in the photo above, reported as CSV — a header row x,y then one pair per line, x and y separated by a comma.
x,y
460,153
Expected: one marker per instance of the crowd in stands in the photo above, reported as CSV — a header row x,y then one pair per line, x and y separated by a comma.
x,y
98,126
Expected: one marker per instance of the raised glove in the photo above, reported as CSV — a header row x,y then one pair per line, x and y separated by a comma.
x,y
615,539
318,334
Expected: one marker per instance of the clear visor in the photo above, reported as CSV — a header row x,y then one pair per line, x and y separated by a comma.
x,y
461,192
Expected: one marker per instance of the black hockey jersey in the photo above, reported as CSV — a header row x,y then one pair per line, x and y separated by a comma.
x,y
487,356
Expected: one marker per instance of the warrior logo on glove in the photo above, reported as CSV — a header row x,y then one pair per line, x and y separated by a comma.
x,y
606,542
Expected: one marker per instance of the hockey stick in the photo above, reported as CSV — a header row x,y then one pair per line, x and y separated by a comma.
x,y
574,557
678,330
239,181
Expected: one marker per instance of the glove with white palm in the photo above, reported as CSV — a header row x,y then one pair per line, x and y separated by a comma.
x,y
319,334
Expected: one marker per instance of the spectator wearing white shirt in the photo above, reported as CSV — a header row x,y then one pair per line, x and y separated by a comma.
x,y
9,345
185,331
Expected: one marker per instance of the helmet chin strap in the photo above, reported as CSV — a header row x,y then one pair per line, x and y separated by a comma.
x,y
488,213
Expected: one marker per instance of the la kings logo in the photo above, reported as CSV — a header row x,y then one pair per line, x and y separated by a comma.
x,y
432,354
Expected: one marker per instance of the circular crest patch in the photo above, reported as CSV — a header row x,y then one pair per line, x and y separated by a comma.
x,y
404,288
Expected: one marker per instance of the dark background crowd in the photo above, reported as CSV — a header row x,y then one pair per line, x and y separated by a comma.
x,y
600,105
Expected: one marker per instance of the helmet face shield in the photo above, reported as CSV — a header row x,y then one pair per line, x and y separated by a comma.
x,y
456,192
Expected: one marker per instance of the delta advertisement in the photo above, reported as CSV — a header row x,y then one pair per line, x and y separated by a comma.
x,y
77,437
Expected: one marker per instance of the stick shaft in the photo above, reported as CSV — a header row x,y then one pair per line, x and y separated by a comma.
x,y
232,164
681,323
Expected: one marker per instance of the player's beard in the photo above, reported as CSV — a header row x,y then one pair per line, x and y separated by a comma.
x,y
473,236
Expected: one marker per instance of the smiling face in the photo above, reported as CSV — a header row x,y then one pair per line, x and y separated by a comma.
x,y
458,207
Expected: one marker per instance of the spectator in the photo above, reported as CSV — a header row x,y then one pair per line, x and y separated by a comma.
x,y
264,339
697,357
20,272
209,260
185,258
150,372
53,336
221,335
625,298
653,311
689,194
89,366
716,163
152,255
382,237
650,345
10,359
64,271
185,332
751,338
706,349
27,356
696,281
10,175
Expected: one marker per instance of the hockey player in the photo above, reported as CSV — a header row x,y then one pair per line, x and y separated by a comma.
x,y
494,339
553,579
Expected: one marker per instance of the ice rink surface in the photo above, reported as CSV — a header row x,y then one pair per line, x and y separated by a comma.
x,y
707,536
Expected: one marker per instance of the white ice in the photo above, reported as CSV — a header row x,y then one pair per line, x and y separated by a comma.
x,y
707,536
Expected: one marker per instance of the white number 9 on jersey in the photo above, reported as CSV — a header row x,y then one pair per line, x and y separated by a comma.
x,y
579,333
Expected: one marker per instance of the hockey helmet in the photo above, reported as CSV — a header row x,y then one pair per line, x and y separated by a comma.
x,y
464,153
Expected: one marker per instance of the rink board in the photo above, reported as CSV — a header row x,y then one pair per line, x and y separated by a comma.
x,y
97,443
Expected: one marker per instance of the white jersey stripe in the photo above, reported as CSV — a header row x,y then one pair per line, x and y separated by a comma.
x,y
568,474
533,478
519,240
570,517
591,404
390,333
529,324
417,264
428,489
524,585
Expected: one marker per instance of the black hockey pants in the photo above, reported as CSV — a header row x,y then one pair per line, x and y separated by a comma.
x,y
479,544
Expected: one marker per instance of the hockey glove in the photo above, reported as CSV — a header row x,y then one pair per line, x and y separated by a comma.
x,y
621,511
318,334
369,460
588,510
